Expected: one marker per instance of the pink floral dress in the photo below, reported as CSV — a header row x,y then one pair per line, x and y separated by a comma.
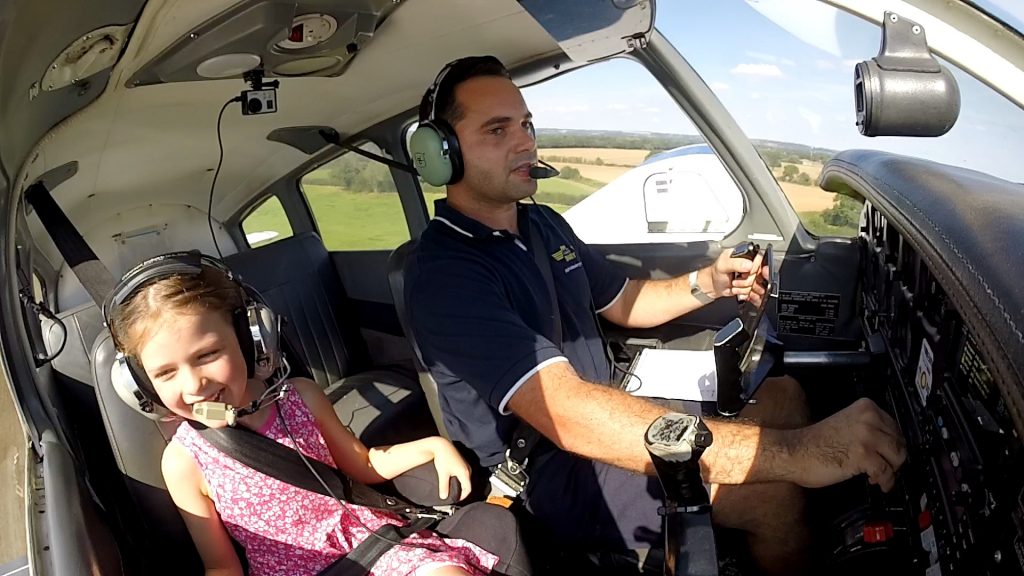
x,y
286,530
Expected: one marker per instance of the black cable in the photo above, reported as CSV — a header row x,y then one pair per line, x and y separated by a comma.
x,y
39,309
220,162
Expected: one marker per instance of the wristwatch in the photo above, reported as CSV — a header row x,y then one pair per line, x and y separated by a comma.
x,y
697,292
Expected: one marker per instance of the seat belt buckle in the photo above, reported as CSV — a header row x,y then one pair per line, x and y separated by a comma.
x,y
509,478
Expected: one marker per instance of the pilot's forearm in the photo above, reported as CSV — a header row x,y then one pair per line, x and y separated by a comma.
x,y
742,452
593,421
608,425
648,303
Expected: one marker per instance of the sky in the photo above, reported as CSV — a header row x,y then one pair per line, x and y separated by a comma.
x,y
780,86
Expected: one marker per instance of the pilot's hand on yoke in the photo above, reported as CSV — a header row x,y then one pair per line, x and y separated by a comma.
x,y
736,277
860,439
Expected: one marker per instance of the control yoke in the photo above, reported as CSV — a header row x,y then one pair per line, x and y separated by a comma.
x,y
676,442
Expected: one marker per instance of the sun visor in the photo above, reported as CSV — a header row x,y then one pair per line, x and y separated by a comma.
x,y
284,39
589,30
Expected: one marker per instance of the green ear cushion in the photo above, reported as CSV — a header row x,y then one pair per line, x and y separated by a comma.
x,y
428,157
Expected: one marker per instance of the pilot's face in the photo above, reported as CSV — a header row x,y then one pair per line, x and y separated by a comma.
x,y
496,137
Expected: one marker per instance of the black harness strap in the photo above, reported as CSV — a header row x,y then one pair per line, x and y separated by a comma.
x,y
285,464
94,276
359,561
511,474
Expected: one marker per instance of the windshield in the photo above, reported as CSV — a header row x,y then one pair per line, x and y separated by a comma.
x,y
1011,12
784,70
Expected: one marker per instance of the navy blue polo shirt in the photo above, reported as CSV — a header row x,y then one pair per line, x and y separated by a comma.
x,y
481,313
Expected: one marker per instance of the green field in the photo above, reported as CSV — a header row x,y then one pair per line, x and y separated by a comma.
x,y
812,221
375,221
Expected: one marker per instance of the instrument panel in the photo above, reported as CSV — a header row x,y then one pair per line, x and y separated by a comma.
x,y
964,475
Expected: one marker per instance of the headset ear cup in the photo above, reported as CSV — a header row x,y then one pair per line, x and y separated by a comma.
x,y
454,149
265,327
240,319
431,154
134,388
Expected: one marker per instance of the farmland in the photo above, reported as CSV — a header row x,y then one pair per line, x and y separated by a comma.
x,y
355,206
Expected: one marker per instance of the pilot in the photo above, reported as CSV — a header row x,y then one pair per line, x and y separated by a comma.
x,y
481,312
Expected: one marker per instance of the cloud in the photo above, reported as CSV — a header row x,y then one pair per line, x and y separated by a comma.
x,y
764,70
812,118
651,110
824,64
719,86
770,58
617,107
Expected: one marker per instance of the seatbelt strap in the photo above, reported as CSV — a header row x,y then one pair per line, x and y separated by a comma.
x,y
510,478
285,464
86,266
359,561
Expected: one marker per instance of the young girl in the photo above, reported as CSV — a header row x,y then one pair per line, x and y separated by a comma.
x,y
180,329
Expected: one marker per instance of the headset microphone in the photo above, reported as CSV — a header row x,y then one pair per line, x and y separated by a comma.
x,y
222,411
544,170
213,411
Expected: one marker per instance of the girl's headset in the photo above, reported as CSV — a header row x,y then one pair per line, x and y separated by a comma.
x,y
434,146
257,327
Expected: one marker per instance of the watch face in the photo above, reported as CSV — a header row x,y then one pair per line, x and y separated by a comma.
x,y
670,429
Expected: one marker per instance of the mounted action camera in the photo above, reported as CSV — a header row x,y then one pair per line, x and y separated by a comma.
x,y
262,99
259,102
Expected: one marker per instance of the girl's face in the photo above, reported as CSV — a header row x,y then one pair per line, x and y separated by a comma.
x,y
195,357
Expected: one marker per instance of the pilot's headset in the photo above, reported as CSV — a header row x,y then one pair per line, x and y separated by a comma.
x,y
434,147
256,326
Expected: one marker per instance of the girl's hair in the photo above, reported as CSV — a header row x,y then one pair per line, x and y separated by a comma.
x,y
132,323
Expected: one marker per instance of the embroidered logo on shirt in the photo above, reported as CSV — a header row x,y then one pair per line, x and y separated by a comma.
x,y
564,254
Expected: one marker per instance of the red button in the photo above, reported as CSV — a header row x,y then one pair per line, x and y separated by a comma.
x,y
924,519
875,532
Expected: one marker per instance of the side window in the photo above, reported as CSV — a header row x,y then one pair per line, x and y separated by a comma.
x,y
355,203
633,167
266,224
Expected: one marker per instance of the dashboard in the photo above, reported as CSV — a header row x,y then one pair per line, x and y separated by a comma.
x,y
962,509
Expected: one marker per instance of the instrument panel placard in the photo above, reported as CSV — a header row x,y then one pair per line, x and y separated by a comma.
x,y
808,313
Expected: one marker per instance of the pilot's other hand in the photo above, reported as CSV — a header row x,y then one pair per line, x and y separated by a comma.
x,y
860,439
736,277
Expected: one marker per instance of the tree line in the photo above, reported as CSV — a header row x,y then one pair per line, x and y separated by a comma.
x,y
358,174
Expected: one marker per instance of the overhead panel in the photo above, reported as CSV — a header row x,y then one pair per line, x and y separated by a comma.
x,y
310,38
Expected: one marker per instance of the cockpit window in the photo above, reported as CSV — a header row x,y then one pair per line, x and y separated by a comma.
x,y
784,70
633,167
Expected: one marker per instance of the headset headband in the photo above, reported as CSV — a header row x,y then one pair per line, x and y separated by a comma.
x,y
188,262
435,88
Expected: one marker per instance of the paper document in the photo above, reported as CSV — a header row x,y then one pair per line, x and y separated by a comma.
x,y
676,374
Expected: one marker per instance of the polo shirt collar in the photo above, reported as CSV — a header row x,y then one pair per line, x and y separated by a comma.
x,y
459,223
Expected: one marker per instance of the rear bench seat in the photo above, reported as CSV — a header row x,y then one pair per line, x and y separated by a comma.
x,y
297,279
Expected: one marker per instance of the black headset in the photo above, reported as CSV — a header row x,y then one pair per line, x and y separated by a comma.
x,y
434,146
257,327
